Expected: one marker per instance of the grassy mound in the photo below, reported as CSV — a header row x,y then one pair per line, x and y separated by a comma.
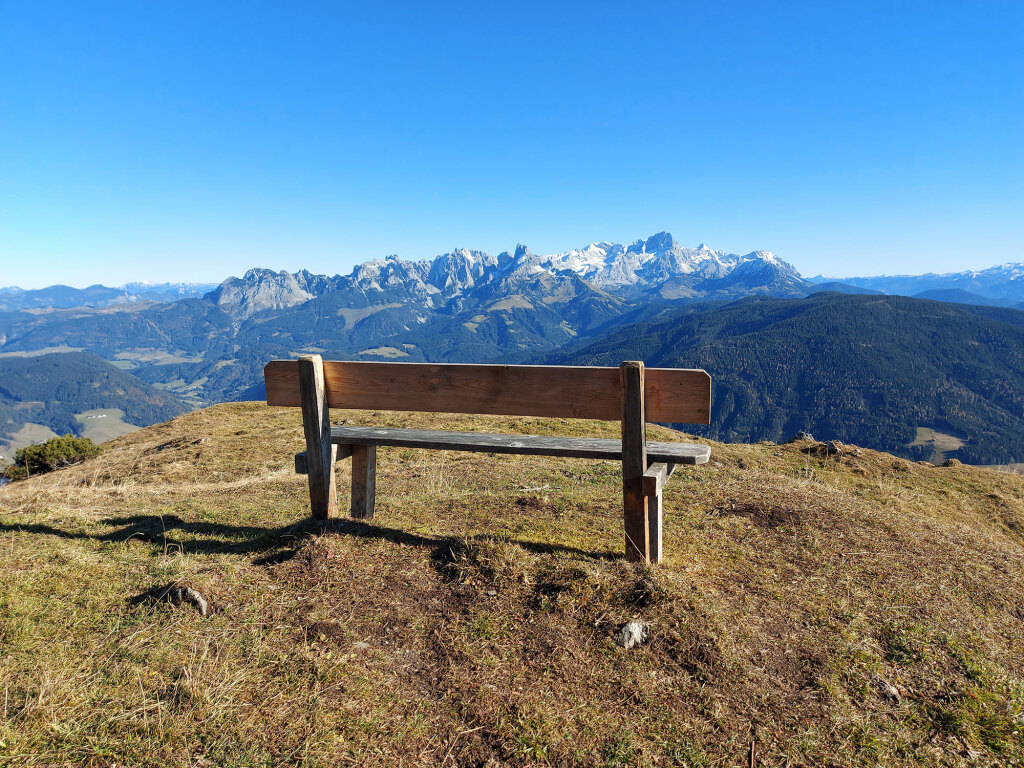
x,y
815,608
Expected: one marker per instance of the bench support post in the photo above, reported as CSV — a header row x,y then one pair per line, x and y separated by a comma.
x,y
634,463
364,480
654,507
316,423
653,481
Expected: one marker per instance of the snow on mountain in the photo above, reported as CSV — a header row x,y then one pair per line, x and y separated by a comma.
x,y
656,266
644,265
143,287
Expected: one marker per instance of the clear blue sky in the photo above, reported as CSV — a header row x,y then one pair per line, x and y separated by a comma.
x,y
190,141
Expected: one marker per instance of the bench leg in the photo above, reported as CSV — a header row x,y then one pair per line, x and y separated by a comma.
x,y
653,480
364,480
634,463
654,525
316,424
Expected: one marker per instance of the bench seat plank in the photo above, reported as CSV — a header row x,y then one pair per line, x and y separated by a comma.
x,y
533,445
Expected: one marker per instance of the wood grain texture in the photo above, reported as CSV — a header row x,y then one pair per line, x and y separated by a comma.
x,y
677,396
316,424
364,481
528,445
634,462
673,396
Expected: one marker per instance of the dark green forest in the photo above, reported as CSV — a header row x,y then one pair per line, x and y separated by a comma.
x,y
867,370
51,389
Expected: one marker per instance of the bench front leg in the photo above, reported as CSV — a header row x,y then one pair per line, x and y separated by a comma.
x,y
364,480
653,481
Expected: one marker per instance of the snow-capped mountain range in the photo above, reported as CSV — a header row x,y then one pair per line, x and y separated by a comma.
x,y
655,266
461,306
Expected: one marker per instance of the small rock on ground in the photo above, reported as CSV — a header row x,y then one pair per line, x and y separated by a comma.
x,y
632,634
179,594
889,691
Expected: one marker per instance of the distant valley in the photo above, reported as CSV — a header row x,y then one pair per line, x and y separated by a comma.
x,y
196,345
74,392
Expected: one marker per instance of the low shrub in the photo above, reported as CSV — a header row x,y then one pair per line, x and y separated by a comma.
x,y
55,453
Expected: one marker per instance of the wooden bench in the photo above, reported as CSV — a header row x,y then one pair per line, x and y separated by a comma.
x,y
628,394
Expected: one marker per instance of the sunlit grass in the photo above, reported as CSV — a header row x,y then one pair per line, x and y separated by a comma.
x,y
470,621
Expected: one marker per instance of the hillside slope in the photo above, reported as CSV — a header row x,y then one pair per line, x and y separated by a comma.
x,y
871,370
74,392
470,622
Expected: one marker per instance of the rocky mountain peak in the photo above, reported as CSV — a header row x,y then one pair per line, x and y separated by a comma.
x,y
662,241
258,290
657,265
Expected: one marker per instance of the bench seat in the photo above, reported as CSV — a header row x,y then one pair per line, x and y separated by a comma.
x,y
532,445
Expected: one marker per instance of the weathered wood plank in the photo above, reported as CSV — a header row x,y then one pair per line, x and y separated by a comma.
x,y
673,396
677,396
364,480
340,452
634,462
316,424
530,445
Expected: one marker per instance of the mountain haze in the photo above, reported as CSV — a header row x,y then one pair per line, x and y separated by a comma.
x,y
64,297
1004,283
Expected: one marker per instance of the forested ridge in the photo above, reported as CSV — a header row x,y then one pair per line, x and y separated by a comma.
x,y
868,370
51,389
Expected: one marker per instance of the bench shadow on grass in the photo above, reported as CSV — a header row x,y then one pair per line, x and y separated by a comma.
x,y
274,545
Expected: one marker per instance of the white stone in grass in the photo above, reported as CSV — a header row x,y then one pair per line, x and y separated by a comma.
x,y
632,634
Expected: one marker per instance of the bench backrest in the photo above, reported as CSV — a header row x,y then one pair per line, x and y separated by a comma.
x,y
672,395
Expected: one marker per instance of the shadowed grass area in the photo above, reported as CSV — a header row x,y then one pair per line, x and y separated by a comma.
x,y
470,622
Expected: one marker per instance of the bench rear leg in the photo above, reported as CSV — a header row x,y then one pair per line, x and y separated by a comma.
x,y
634,463
316,424
364,480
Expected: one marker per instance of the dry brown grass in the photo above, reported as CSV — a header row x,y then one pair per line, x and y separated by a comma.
x,y
470,622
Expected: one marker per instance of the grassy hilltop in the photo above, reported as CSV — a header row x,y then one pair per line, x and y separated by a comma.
x,y
816,610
